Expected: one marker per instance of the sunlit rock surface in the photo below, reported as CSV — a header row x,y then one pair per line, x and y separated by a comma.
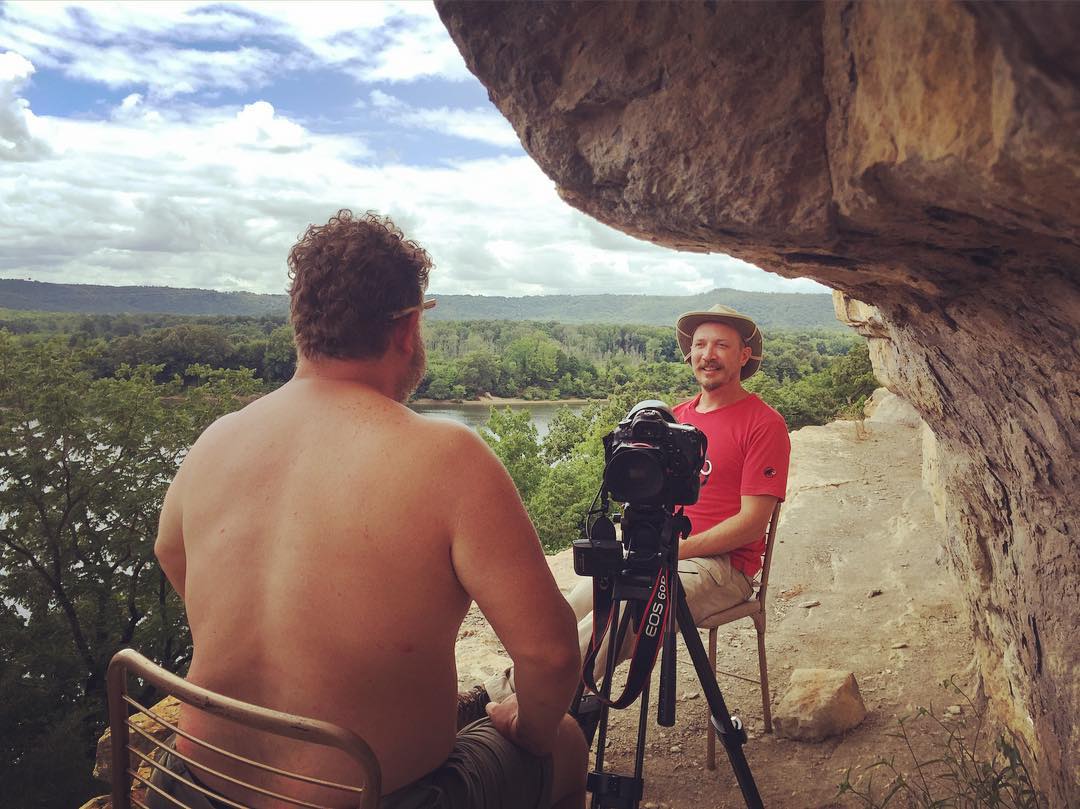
x,y
923,159
819,703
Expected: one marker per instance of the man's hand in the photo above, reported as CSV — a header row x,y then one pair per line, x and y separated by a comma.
x,y
504,716
743,528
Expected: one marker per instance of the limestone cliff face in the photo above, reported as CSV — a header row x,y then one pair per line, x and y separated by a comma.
x,y
923,159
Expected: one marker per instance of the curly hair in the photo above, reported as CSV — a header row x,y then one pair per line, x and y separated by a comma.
x,y
348,276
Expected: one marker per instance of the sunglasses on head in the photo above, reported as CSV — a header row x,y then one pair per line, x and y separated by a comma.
x,y
428,303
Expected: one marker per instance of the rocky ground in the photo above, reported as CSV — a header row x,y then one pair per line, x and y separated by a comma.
x,y
858,540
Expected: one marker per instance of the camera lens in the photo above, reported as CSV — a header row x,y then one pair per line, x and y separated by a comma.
x,y
635,475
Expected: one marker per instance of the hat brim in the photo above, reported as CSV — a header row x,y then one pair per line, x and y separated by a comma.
x,y
689,322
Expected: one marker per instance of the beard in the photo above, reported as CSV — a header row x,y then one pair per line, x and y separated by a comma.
x,y
412,374
720,377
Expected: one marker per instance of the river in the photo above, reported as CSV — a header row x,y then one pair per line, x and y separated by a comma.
x,y
474,414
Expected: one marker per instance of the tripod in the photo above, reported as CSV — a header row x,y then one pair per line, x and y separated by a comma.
x,y
631,587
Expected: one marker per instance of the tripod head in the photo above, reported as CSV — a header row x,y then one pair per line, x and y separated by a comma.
x,y
649,538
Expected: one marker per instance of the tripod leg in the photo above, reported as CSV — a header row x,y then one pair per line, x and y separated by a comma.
x,y
710,734
730,736
608,789
618,628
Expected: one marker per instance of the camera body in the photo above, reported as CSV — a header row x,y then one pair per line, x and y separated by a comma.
x,y
652,464
651,460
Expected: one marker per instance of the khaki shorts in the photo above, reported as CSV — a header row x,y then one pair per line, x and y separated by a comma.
x,y
483,771
711,585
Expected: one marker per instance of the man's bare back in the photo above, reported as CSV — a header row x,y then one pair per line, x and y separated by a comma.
x,y
327,542
332,539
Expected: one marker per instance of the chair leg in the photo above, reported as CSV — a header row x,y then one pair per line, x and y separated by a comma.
x,y
763,666
710,738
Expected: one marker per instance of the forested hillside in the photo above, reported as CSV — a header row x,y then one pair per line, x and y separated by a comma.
x,y
769,309
470,359
94,299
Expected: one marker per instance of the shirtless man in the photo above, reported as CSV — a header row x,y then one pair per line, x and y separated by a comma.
x,y
327,543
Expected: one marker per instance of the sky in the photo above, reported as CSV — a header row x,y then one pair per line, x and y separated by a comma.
x,y
189,144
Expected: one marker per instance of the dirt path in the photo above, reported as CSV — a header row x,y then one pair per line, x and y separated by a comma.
x,y
856,520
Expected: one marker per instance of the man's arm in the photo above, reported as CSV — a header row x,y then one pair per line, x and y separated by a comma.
x,y
737,530
497,557
169,547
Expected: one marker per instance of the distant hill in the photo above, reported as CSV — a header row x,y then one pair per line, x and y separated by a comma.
x,y
771,310
94,299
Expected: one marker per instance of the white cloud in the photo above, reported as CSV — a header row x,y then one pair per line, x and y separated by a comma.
x,y
385,101
177,71
209,200
174,48
18,124
139,44
418,47
478,124
256,126
483,125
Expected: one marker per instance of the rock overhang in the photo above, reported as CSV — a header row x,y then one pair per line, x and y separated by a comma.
x,y
924,161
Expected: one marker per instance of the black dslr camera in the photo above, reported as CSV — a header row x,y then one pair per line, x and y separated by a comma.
x,y
650,460
651,464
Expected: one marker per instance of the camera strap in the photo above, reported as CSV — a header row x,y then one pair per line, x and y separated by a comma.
x,y
649,636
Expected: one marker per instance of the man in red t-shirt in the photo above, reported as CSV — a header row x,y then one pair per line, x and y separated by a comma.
x,y
748,452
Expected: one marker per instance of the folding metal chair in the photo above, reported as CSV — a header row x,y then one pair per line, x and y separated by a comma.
x,y
753,608
127,755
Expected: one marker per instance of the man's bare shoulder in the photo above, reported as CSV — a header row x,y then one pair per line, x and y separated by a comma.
x,y
225,431
450,441
214,434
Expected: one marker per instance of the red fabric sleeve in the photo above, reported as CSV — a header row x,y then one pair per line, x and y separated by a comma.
x,y
765,469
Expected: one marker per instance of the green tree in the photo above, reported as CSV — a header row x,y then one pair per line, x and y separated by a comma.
x,y
533,360
563,497
279,359
175,348
441,380
479,372
852,378
85,463
566,430
512,436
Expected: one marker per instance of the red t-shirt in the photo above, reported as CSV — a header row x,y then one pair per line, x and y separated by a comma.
x,y
749,450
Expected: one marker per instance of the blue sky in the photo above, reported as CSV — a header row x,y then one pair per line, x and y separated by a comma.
x,y
189,144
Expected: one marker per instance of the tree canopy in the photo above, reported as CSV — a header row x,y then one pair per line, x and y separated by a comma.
x,y
85,462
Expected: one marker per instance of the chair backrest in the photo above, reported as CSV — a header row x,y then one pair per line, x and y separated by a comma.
x,y
126,755
766,563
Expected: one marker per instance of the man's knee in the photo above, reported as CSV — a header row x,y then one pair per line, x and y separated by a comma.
x,y
580,599
570,730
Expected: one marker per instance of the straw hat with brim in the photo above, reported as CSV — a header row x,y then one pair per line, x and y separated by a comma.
x,y
688,323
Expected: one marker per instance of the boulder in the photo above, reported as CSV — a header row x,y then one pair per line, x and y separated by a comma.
x,y
819,703
885,407
169,710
